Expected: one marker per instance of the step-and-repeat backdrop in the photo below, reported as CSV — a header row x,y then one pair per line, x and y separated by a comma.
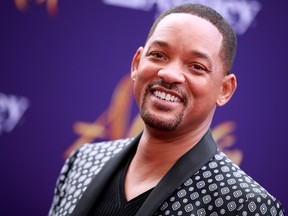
x,y
64,81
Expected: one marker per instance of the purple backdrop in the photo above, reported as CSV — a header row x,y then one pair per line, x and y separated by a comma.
x,y
59,70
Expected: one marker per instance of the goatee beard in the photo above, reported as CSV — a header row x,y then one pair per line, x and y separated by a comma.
x,y
157,122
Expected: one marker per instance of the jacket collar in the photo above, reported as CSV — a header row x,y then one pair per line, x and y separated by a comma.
x,y
95,188
184,168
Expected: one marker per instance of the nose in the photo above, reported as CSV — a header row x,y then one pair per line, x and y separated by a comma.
x,y
172,73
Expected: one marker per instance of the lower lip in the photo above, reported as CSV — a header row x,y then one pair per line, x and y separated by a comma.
x,y
158,102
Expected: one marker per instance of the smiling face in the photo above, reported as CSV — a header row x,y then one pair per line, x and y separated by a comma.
x,y
178,76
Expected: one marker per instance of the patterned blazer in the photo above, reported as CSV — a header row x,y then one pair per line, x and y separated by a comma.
x,y
202,182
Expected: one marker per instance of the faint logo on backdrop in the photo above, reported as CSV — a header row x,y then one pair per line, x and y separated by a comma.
x,y
51,5
239,13
116,122
12,109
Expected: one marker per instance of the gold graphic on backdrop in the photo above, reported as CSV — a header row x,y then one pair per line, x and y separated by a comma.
x,y
51,5
115,123
224,138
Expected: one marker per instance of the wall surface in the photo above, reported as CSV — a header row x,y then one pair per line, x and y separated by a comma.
x,y
64,80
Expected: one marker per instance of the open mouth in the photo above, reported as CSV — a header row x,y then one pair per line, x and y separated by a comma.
x,y
166,97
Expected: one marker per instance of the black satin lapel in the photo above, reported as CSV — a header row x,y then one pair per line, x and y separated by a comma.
x,y
184,168
99,182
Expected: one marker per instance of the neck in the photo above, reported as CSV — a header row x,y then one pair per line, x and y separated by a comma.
x,y
157,154
154,157
166,147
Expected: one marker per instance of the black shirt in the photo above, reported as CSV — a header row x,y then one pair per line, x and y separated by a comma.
x,y
113,200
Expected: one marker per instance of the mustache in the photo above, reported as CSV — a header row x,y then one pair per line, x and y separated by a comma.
x,y
162,83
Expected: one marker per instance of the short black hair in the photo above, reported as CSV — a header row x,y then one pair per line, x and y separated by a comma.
x,y
229,42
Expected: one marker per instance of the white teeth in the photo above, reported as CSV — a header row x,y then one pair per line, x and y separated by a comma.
x,y
166,97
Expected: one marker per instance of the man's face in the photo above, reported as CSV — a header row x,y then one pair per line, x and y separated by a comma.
x,y
178,75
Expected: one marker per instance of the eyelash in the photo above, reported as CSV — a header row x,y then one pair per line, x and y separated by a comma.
x,y
199,67
157,55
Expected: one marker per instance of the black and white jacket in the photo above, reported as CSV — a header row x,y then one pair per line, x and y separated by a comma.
x,y
202,182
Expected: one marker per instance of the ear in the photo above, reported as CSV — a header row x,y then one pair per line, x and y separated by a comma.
x,y
135,63
228,88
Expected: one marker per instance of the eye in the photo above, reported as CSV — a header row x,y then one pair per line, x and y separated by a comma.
x,y
198,68
158,55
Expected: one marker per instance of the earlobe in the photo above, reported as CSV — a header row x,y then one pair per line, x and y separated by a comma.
x,y
229,86
135,63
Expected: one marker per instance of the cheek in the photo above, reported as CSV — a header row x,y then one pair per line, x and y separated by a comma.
x,y
198,86
146,71
139,89
203,92
136,91
144,75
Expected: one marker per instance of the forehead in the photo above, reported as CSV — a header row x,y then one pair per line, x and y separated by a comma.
x,y
188,29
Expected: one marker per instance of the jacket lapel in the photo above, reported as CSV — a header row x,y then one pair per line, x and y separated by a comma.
x,y
94,190
184,168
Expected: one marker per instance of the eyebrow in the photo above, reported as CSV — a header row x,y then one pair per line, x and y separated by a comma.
x,y
159,43
200,54
204,56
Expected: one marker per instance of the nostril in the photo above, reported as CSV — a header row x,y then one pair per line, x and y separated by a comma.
x,y
171,76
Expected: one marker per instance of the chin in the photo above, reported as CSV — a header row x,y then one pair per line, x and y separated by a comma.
x,y
158,123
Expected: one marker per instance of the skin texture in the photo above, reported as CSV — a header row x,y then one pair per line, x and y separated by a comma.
x,y
182,54
181,59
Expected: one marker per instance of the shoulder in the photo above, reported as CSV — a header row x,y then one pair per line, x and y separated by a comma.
x,y
79,169
235,190
221,187
91,157
240,191
104,147
98,152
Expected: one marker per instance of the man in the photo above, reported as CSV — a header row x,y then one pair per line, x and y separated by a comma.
x,y
173,167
